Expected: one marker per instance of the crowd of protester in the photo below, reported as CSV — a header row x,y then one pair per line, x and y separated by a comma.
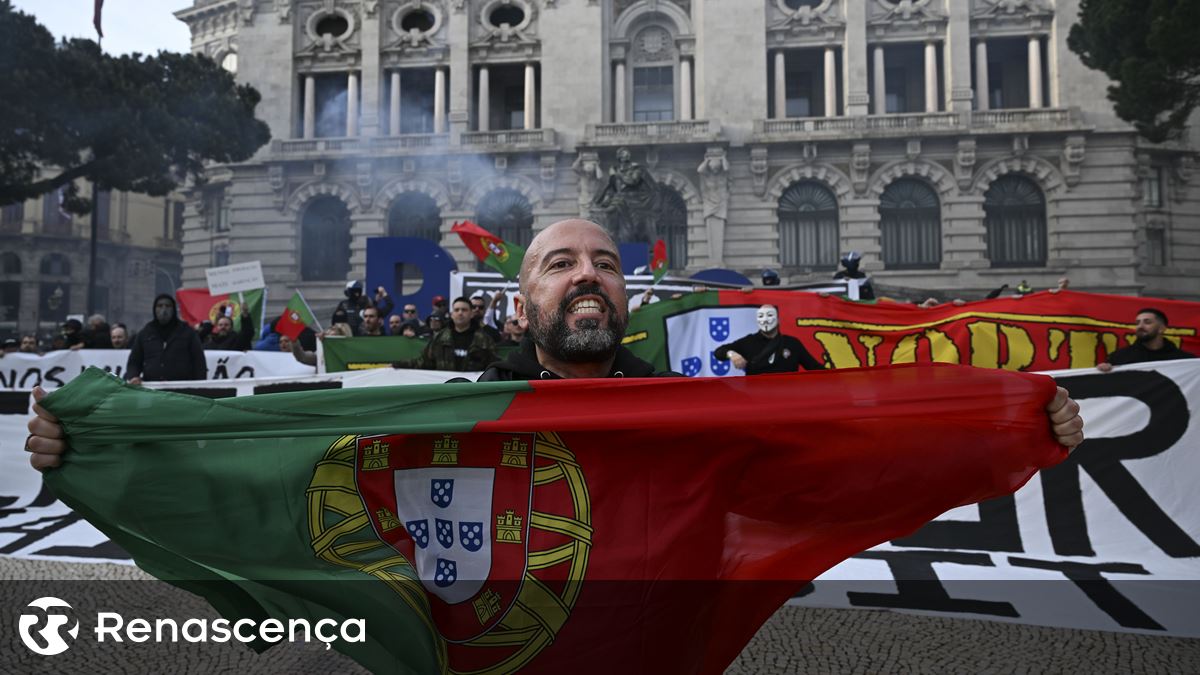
x,y
464,335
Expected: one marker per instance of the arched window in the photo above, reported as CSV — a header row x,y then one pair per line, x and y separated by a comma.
x,y
325,240
10,263
56,265
910,225
808,226
1015,217
415,214
653,56
507,214
673,227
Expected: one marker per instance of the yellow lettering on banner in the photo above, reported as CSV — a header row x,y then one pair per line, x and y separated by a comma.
x,y
1110,342
985,344
1057,338
870,342
838,350
906,350
1083,345
1177,341
941,347
1020,347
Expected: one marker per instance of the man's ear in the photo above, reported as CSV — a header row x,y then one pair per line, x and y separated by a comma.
x,y
519,310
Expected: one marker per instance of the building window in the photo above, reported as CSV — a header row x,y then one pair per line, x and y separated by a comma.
x,y
325,240
55,220
808,226
216,211
1015,217
653,93
415,214
220,256
103,206
673,227
10,263
417,88
55,265
10,300
1152,188
1156,244
11,217
507,214
910,225
330,97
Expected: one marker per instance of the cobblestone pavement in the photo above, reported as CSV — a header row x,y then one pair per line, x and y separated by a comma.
x,y
795,640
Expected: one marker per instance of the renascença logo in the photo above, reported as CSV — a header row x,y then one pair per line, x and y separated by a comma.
x,y
47,640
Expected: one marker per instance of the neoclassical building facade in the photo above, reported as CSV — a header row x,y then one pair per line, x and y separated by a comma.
x,y
957,144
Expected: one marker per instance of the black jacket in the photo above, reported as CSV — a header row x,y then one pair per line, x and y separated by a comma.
x,y
780,354
234,340
1139,353
173,352
522,364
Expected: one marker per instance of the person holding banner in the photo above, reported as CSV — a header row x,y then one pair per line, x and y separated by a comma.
x,y
1150,345
768,350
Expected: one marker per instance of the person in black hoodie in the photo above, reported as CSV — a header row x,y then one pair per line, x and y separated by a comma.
x,y
768,350
573,304
166,348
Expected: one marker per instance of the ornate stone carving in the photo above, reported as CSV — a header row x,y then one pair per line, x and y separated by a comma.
x,y
1184,170
278,183
910,10
454,180
1020,145
758,169
505,36
283,9
365,178
714,180
549,173
808,152
1071,162
964,163
459,6
629,203
246,9
1012,8
807,18
912,149
587,167
860,166
500,163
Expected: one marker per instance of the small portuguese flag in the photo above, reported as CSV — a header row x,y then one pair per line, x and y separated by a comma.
x,y
295,318
658,263
493,251
645,525
197,305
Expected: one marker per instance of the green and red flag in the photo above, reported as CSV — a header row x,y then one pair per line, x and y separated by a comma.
x,y
500,255
658,262
197,305
295,317
584,526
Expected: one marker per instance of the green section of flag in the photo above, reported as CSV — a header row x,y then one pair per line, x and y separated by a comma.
x,y
508,262
364,353
646,335
230,520
255,303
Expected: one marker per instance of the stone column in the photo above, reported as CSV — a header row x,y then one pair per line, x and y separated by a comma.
x,y
831,87
439,101
484,95
982,85
855,60
956,64
310,106
685,89
371,82
530,97
780,86
394,111
931,78
619,92
458,37
1035,71
879,95
352,105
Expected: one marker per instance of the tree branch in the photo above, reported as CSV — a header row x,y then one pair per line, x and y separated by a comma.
x,y
43,186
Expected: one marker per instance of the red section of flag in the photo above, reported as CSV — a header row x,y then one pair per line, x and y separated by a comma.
x,y
658,264
96,17
713,501
197,305
475,238
290,324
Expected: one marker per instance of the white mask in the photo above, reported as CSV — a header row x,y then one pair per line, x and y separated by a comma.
x,y
767,318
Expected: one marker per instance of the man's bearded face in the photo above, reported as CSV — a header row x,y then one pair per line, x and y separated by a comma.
x,y
590,340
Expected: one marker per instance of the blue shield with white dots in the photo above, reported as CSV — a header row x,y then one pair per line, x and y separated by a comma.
x,y
441,491
718,366
470,536
718,328
691,366
446,573
445,533
419,531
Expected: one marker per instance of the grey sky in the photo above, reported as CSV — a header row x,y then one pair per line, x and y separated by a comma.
x,y
146,26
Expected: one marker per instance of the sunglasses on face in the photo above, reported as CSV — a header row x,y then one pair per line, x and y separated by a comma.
x,y
410,311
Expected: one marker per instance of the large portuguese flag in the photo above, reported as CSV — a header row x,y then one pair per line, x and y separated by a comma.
x,y
642,525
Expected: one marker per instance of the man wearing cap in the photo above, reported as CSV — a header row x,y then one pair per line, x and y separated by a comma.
x,y
439,307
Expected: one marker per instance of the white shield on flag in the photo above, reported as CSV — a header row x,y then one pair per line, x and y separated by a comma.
x,y
448,511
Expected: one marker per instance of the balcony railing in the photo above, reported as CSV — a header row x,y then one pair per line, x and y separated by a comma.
x,y
343,146
1006,121
653,132
511,138
409,142
1022,119
913,121
804,125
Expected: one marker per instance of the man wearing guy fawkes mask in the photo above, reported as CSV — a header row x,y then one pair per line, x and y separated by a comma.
x,y
768,350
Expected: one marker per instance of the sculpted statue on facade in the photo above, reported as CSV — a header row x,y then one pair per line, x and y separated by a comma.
x,y
628,204
714,179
